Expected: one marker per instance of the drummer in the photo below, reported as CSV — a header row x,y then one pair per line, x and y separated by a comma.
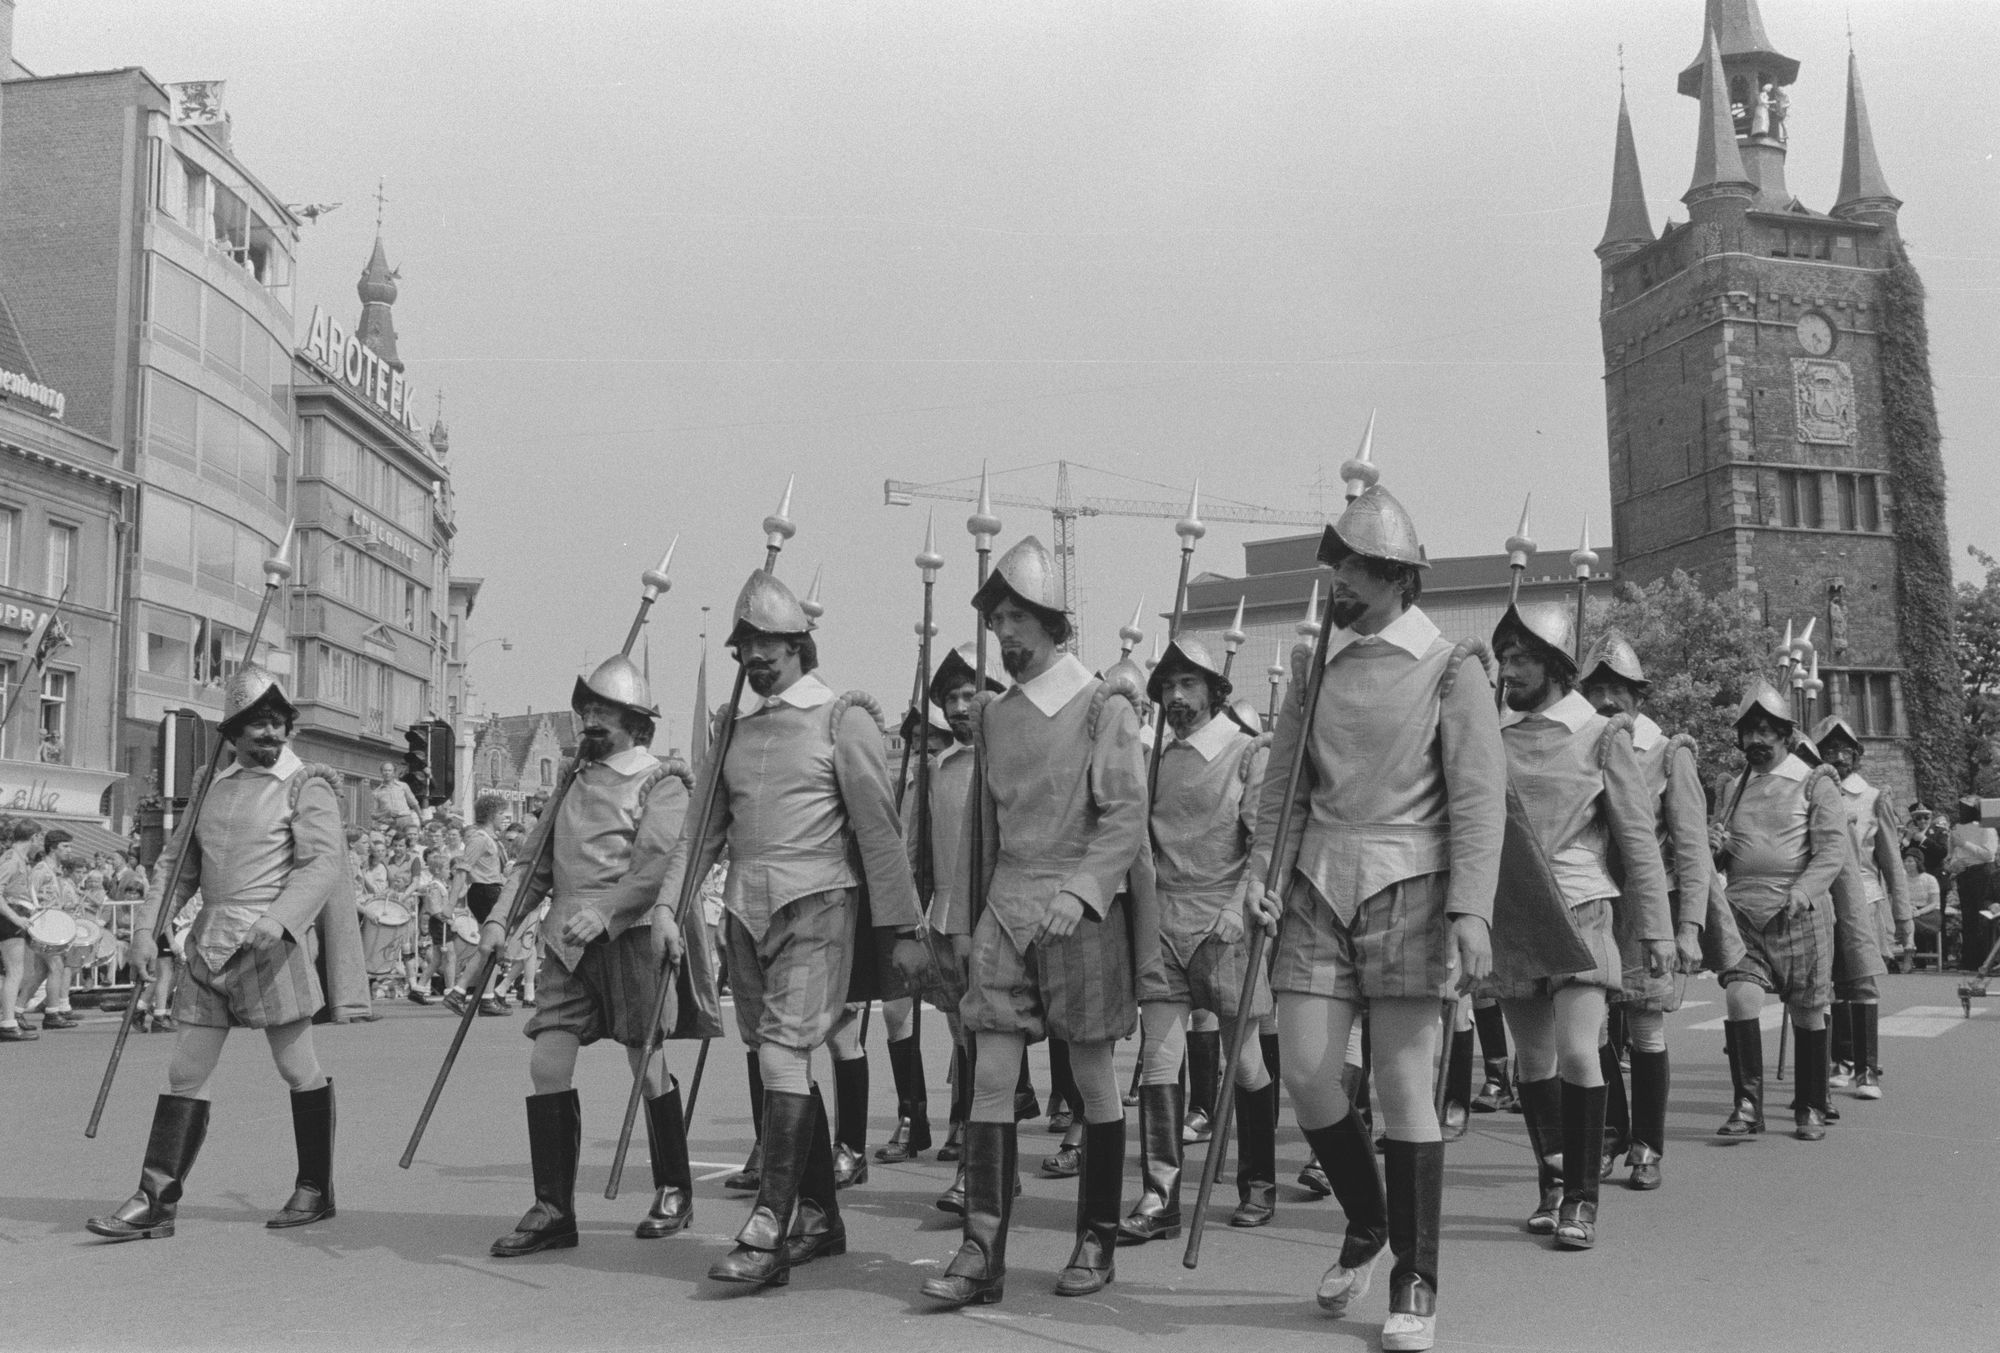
x,y
22,841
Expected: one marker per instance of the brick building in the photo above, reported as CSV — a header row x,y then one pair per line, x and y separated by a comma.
x,y
1743,378
519,756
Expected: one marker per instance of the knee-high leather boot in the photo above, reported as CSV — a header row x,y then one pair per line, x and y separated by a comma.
x,y
673,1176
850,1148
1617,1111
180,1123
1415,1176
1809,1117
1457,1086
1583,1148
555,1138
1651,1078
1204,1067
1348,1157
1099,1191
1256,1156
977,1274
759,1259
1745,1039
1541,1111
746,1178
817,1230
913,1124
312,1136
1157,1214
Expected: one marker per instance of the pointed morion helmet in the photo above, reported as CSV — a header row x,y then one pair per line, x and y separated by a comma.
x,y
954,670
250,689
1127,672
617,681
1028,572
1763,696
1833,729
1615,658
1247,716
1548,628
767,606
1191,654
1374,526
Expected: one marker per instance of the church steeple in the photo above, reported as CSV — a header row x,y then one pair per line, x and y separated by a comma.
x,y
1739,36
1628,227
1721,186
377,289
1754,77
1864,193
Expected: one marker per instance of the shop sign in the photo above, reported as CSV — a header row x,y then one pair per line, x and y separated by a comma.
x,y
334,350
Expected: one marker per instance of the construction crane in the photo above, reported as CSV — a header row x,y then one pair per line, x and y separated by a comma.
x,y
1066,509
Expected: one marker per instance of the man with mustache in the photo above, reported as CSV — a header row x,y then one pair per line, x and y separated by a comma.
x,y
816,854
267,855
1389,879
617,834
1063,802
1782,841
1204,815
1615,684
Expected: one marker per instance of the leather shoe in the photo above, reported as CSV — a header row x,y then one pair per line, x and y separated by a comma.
x,y
1645,1163
1314,1181
489,1006
1809,1126
850,1167
1066,1163
1258,1205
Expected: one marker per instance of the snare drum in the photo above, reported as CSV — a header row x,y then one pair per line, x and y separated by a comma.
x,y
83,950
390,915
51,932
465,928
107,947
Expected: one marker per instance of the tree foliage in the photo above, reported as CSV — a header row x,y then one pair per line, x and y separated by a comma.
x,y
1979,660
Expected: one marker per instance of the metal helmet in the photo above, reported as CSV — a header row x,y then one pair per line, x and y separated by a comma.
x,y
1615,657
1807,751
1029,572
767,606
956,669
1833,728
1191,654
1126,672
1375,526
1247,716
916,723
617,681
250,689
1548,626
1763,696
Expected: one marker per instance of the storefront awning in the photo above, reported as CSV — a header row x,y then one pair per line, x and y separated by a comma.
x,y
89,837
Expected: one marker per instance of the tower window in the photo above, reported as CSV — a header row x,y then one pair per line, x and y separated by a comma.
x,y
1860,502
1798,498
1868,701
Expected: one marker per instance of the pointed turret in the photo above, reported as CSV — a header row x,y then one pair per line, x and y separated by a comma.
x,y
377,289
1739,35
1721,186
1864,193
1629,227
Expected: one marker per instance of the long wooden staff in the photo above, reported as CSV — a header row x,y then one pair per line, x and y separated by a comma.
x,y
276,569
1239,1032
982,525
1189,529
536,851
778,528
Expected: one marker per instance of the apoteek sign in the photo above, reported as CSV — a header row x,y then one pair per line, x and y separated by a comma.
x,y
341,355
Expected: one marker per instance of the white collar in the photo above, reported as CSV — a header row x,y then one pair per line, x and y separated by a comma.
x,y
1855,785
808,692
1056,687
957,748
1412,631
1572,712
628,762
287,766
1791,768
1645,733
1211,738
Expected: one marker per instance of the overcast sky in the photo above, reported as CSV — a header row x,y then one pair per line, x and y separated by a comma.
x,y
660,255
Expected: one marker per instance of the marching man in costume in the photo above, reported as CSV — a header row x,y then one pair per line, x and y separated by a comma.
x,y
1203,821
267,855
816,856
1877,834
617,835
1782,841
1389,897
1586,797
1615,684
1064,805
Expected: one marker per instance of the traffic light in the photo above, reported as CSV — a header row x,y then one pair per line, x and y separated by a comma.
x,y
184,753
443,758
416,760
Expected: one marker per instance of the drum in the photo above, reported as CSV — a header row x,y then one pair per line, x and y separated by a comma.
x,y
51,932
107,947
392,914
465,928
83,949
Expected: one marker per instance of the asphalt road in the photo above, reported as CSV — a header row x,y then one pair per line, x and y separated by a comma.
x,y
1882,1236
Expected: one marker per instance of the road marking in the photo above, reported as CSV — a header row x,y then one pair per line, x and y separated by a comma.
x,y
1769,1018
1695,1005
1925,1021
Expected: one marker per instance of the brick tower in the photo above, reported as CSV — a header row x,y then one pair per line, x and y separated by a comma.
x,y
1743,367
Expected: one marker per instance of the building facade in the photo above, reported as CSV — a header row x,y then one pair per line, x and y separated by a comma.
x,y
1743,378
518,756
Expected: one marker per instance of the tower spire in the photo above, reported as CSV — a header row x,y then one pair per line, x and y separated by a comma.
x,y
377,289
1629,226
1739,37
1718,165
1863,190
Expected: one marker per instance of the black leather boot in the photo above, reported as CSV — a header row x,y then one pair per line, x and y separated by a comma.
x,y
1617,1112
977,1274
1099,1193
1745,1038
817,1230
759,1258
1026,1106
1204,1068
1064,1098
1415,1175
1840,1042
961,1105
555,1138
1457,1086
1651,1079
312,1135
850,1148
745,1179
1268,1045
1256,1156
1583,1148
673,1176
1157,1214
912,1136
1809,1115
1349,1159
1541,1110
179,1125
1497,1094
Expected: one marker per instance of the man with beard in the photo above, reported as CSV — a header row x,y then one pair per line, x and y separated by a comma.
x,y
1871,820
1586,799
617,834
1063,802
801,783
1204,815
1781,841
267,855
1615,684
1389,882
